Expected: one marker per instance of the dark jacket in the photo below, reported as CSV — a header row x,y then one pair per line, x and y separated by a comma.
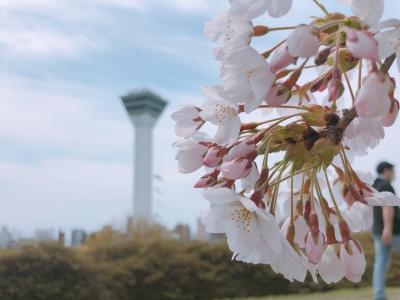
x,y
384,186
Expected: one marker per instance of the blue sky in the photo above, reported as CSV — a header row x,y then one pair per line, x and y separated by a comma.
x,y
66,141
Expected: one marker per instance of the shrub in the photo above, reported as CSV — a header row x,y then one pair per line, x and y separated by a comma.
x,y
46,272
145,264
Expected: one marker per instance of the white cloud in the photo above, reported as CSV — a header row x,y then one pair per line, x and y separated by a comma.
x,y
64,28
184,5
193,5
21,42
40,115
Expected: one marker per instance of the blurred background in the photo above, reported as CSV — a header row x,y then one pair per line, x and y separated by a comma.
x,y
67,143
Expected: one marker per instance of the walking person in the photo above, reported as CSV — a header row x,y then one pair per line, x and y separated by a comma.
x,y
386,230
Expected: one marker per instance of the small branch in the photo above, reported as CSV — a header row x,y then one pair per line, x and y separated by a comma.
x,y
280,28
284,106
337,48
321,7
331,194
290,176
349,86
360,73
267,53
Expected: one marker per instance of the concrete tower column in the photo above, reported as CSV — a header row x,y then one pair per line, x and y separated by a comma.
x,y
144,109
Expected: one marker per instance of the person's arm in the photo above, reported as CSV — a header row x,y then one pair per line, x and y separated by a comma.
x,y
388,214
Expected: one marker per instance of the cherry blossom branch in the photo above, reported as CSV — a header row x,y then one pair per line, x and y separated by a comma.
x,y
308,136
350,88
331,194
267,53
322,7
281,28
320,198
284,106
360,65
290,176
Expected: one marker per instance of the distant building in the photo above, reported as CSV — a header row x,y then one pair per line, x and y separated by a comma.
x,y
5,237
201,233
181,232
61,237
44,235
78,237
22,242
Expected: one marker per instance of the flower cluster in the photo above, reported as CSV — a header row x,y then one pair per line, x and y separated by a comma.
x,y
282,188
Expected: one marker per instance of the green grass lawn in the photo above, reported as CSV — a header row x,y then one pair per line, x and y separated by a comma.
x,y
344,294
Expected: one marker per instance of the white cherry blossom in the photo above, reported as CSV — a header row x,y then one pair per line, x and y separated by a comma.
x,y
246,77
383,199
187,120
279,8
245,225
190,153
229,30
390,117
251,9
369,11
222,113
373,99
388,38
249,181
363,134
359,217
361,44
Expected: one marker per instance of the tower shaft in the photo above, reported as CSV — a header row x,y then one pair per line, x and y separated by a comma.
x,y
143,171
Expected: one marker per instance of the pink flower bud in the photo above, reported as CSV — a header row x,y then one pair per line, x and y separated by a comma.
x,y
237,163
322,83
352,256
303,41
208,180
314,246
278,95
344,230
336,87
361,44
389,119
372,100
280,59
243,149
236,169
213,157
300,230
322,56
331,268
